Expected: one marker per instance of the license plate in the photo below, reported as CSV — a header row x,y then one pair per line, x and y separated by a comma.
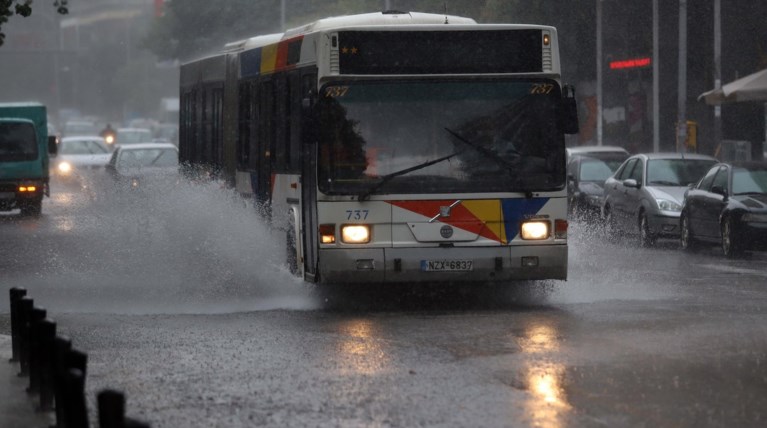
x,y
447,265
7,195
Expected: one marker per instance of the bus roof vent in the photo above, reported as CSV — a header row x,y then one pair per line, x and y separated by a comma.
x,y
394,12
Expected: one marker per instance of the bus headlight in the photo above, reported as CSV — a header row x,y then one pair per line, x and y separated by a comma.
x,y
534,230
65,168
355,234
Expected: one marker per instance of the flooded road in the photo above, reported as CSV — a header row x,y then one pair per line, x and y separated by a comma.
x,y
183,303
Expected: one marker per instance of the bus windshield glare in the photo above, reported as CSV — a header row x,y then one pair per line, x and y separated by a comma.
x,y
405,137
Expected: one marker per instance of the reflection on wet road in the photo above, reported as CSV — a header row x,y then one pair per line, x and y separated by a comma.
x,y
547,404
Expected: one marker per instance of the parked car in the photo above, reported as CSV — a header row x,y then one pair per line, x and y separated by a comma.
x,y
133,136
586,175
591,150
645,194
727,207
79,155
144,165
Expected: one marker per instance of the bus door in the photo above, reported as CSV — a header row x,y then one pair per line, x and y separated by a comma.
x,y
309,226
266,143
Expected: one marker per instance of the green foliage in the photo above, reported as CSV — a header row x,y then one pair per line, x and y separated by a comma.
x,y
24,8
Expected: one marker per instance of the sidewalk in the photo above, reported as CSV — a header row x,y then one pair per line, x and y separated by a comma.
x,y
17,409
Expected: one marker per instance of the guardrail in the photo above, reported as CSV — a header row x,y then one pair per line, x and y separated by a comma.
x,y
57,371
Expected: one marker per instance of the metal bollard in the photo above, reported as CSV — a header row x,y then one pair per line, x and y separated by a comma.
x,y
133,423
111,409
47,332
61,347
74,388
33,340
25,305
16,294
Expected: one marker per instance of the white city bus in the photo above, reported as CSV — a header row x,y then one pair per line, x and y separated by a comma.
x,y
393,147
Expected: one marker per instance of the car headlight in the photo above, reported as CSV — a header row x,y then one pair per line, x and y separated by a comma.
x,y
355,234
534,230
755,217
595,199
65,167
110,139
666,205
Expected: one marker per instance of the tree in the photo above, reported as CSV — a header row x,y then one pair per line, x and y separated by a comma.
x,y
9,8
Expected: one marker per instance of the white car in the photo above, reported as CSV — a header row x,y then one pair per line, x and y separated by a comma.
x,y
77,155
144,165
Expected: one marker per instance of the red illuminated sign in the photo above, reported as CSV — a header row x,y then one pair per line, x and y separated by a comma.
x,y
630,63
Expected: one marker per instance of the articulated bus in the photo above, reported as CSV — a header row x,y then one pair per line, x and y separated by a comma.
x,y
393,147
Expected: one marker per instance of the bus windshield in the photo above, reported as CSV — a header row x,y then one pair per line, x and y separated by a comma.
x,y
440,137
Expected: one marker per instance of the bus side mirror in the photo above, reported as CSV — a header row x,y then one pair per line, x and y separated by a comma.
x,y
53,146
568,111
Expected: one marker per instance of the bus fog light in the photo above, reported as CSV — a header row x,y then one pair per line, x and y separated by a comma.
x,y
534,230
560,229
531,261
366,264
328,233
355,234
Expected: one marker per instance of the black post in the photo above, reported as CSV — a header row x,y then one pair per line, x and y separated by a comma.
x,y
47,330
16,294
25,306
33,339
111,409
133,423
61,347
74,388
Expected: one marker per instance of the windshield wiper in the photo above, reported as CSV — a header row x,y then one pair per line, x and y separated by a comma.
x,y
493,156
388,177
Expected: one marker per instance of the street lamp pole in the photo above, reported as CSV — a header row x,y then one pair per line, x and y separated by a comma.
x,y
655,79
682,82
717,69
599,72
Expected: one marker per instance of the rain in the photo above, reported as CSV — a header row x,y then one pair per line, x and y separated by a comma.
x,y
375,213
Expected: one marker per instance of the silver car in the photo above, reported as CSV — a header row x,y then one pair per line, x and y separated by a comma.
x,y
645,194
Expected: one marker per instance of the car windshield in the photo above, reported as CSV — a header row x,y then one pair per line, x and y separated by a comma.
x,y
436,137
147,158
17,141
133,136
598,170
82,147
676,172
749,180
